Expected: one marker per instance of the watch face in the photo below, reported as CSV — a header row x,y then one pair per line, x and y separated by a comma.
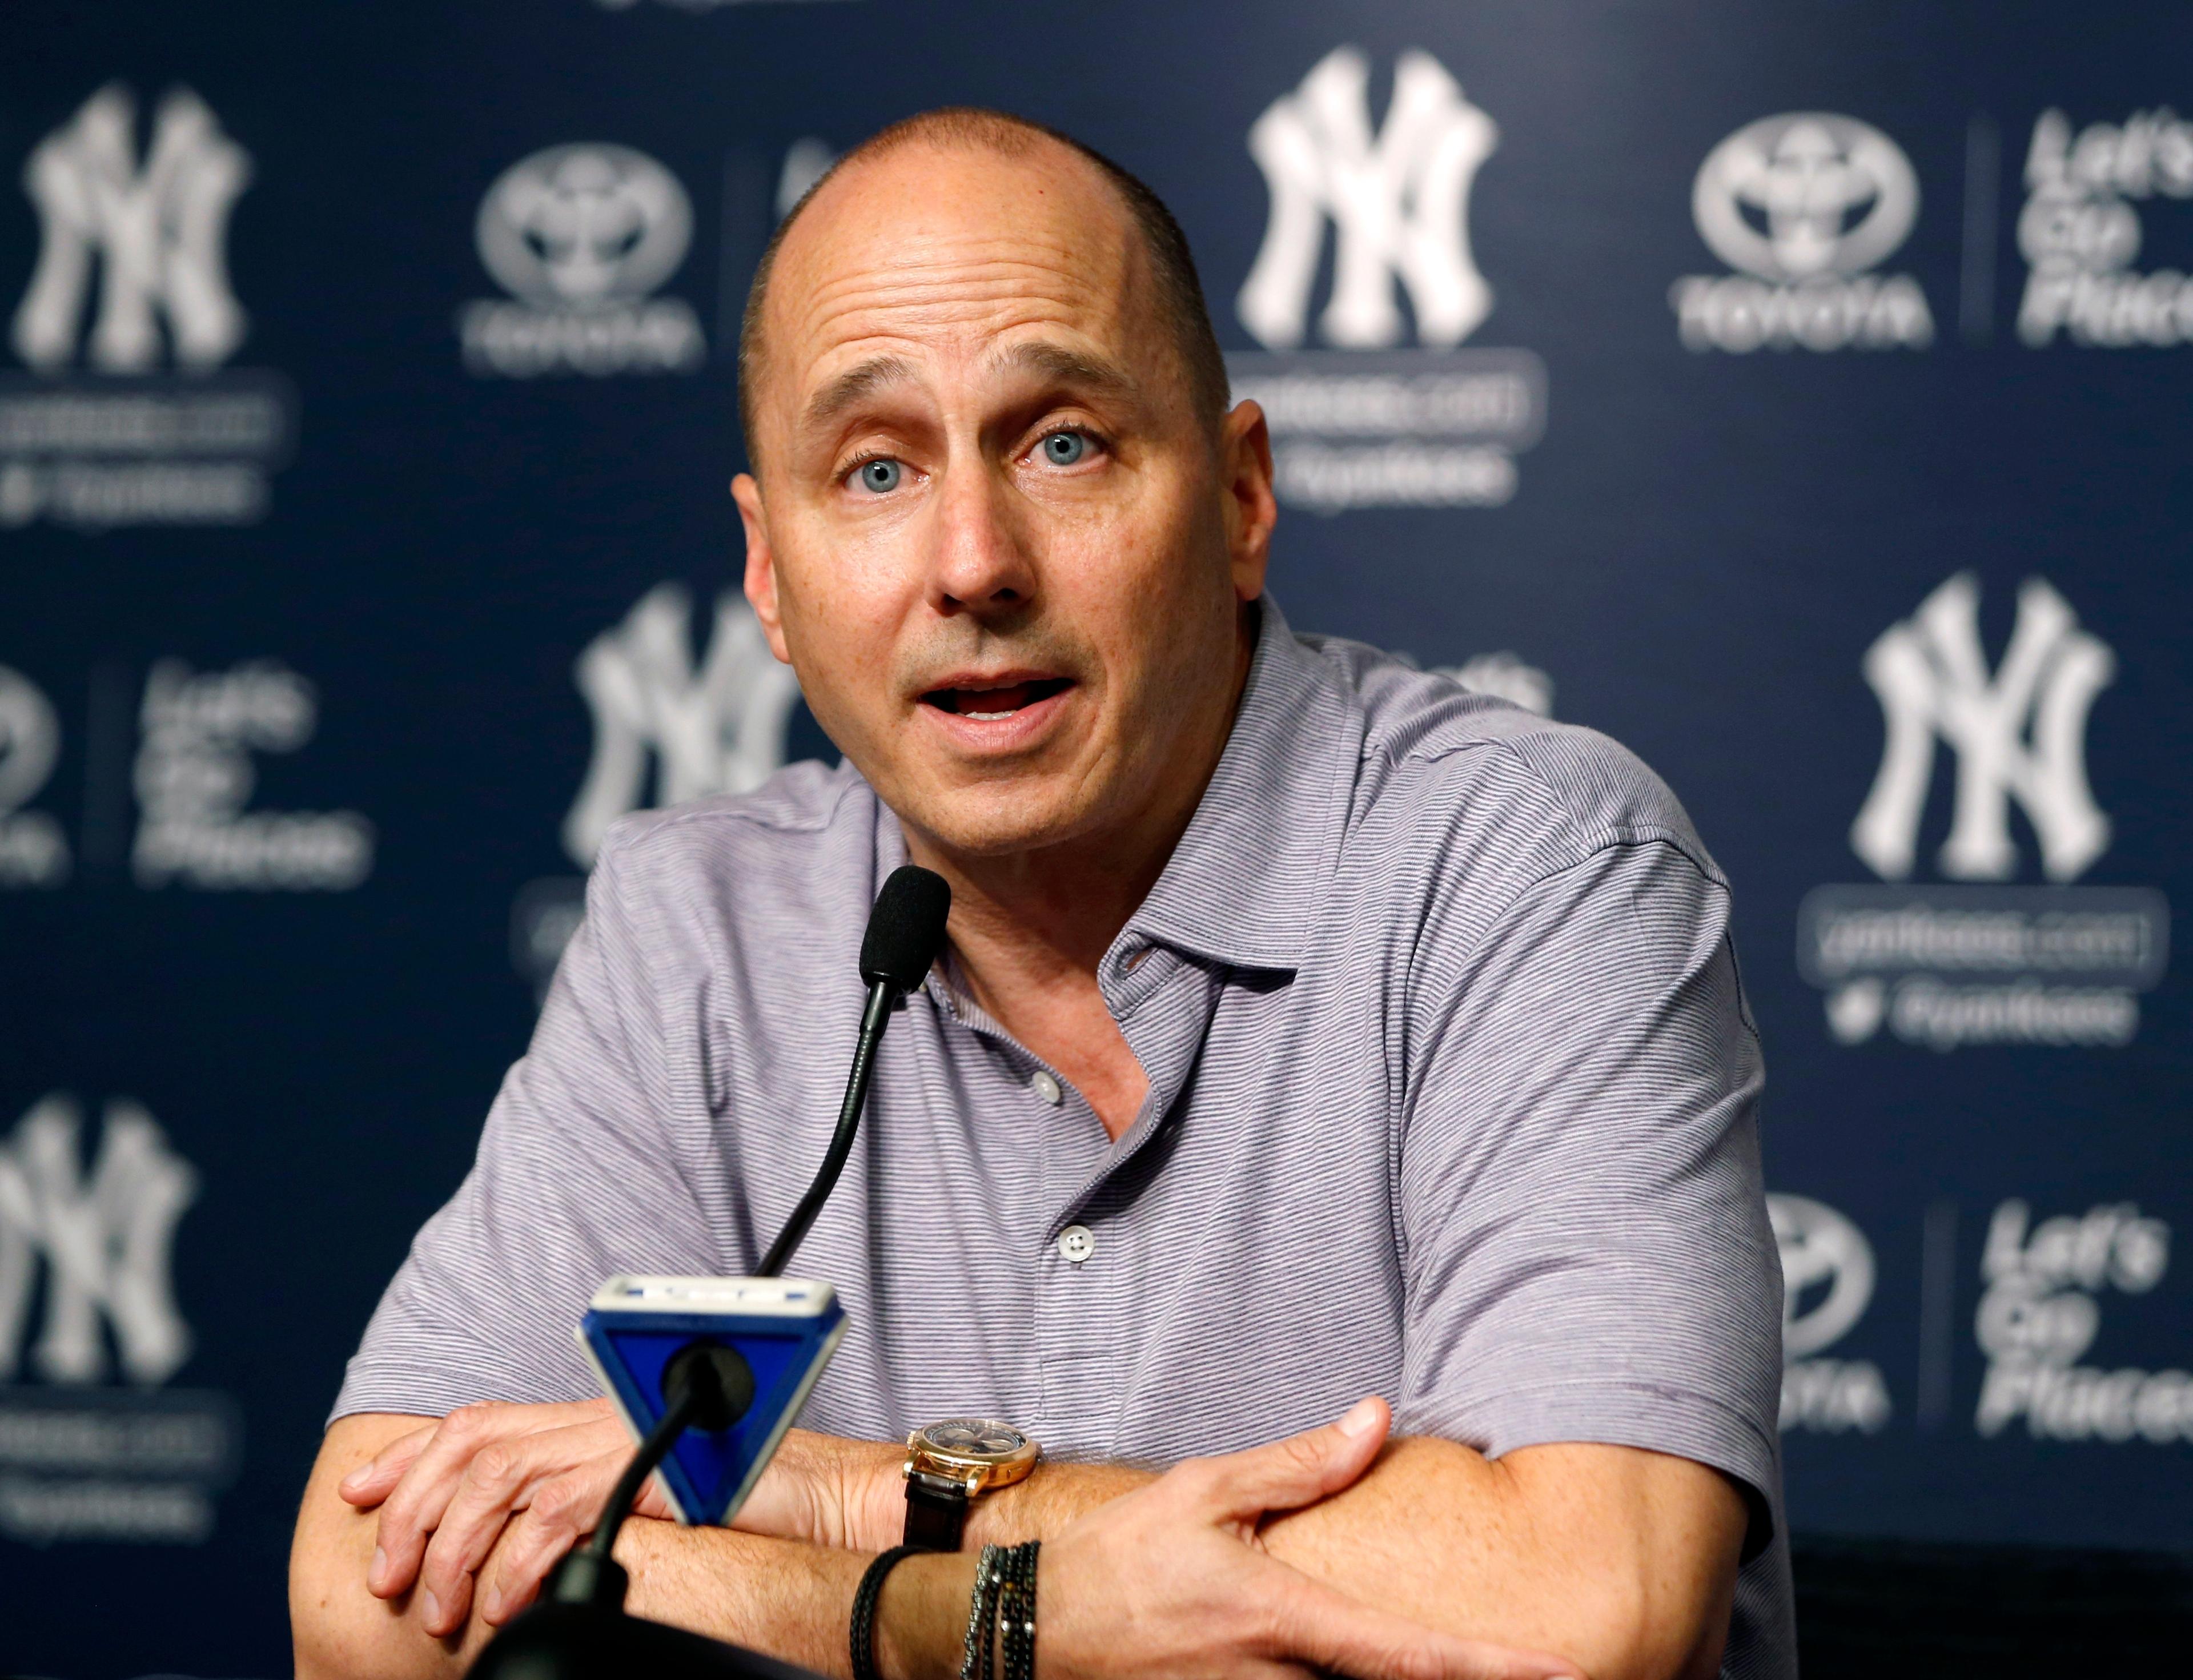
x,y
974,1438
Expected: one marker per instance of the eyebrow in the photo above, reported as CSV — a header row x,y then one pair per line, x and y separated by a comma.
x,y
1067,367
853,386
1051,361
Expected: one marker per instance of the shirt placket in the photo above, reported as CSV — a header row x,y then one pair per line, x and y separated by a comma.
x,y
1086,1291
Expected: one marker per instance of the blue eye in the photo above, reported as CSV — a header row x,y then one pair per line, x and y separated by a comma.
x,y
881,477
1065,449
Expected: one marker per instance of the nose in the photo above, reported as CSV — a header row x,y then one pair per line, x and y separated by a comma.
x,y
980,565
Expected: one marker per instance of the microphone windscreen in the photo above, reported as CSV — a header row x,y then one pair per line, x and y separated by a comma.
x,y
906,929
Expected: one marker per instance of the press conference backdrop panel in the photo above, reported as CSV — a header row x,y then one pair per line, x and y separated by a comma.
x,y
1797,393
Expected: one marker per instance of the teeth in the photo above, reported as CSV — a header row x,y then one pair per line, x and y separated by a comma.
x,y
1004,701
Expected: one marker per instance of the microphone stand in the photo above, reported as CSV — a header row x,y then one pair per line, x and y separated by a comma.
x,y
883,994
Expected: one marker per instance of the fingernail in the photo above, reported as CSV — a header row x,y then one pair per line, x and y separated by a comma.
x,y
377,1571
1362,1418
430,1608
491,1605
352,1482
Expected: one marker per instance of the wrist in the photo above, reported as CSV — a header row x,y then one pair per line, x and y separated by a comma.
x,y
1049,1498
1002,1516
921,1617
871,1495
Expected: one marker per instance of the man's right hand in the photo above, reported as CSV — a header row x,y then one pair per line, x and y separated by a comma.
x,y
1172,1580
447,1491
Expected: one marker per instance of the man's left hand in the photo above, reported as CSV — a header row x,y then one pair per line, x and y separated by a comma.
x,y
448,1490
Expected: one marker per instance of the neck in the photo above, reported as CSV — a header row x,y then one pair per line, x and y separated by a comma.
x,y
1049,914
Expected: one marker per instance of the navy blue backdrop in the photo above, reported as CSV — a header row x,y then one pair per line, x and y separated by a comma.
x,y
1795,392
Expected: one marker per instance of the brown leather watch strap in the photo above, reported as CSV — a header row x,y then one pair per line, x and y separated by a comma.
x,y
936,1511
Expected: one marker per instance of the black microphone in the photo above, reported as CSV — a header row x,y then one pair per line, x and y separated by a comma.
x,y
707,1385
579,1631
905,930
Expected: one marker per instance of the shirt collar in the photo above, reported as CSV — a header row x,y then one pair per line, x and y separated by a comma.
x,y
1245,882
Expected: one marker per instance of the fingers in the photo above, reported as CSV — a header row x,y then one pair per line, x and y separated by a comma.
x,y
1313,1624
504,1477
412,1509
563,1510
1298,1470
370,1482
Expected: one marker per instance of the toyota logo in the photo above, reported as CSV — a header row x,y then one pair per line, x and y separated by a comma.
x,y
1819,1247
1805,196
579,225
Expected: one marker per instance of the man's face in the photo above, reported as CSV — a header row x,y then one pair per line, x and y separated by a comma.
x,y
1006,556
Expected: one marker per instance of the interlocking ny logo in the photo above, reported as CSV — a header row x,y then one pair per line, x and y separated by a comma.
x,y
105,1241
1399,205
717,730
2020,733
157,233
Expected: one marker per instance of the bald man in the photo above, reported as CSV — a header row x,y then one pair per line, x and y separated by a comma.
x,y
1330,1131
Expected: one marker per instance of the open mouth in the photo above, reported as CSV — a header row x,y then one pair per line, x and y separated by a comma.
x,y
990,705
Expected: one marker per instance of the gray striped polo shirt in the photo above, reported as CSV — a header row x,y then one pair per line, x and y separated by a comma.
x,y
1452,1096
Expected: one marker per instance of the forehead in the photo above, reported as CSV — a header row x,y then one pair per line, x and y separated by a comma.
x,y
936,254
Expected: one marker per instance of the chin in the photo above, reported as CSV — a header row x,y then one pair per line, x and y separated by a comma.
x,y
987,824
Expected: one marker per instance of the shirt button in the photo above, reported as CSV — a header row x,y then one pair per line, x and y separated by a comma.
x,y
1047,1088
1077,1243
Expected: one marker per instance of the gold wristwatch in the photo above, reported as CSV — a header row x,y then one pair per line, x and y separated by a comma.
x,y
948,1464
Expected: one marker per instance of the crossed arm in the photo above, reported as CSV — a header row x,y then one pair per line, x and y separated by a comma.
x,y
1336,1550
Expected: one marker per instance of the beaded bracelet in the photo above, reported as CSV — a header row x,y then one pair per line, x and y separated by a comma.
x,y
1004,1602
981,1609
1016,1613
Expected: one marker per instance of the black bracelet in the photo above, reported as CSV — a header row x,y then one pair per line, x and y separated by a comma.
x,y
1016,1613
1000,1642
863,1632
976,1649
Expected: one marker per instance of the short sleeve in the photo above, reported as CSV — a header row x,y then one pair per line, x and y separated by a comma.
x,y
1585,1246
577,1177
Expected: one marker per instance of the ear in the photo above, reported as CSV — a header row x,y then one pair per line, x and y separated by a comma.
x,y
1244,460
761,563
